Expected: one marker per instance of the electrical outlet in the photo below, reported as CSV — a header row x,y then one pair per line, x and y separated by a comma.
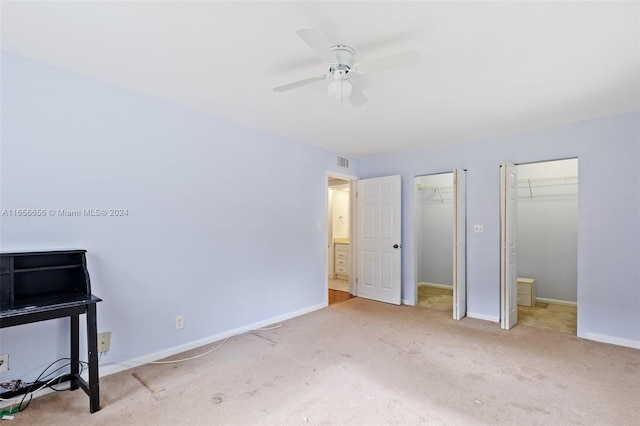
x,y
478,229
179,322
104,341
4,363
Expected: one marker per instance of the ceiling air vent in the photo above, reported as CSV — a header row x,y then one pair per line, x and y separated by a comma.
x,y
343,162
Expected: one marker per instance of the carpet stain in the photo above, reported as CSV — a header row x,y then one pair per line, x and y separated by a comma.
x,y
250,393
271,383
475,376
530,408
153,392
265,338
217,398
533,373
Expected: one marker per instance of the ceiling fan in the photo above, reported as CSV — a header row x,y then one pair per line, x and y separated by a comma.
x,y
339,58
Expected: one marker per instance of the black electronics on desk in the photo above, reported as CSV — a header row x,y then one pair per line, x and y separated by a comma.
x,y
43,285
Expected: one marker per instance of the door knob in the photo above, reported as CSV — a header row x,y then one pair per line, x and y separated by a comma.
x,y
395,246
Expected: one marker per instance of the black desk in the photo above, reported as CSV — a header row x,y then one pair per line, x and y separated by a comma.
x,y
39,286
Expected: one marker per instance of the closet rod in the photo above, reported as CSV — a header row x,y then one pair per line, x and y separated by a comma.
x,y
528,182
437,189
422,187
544,179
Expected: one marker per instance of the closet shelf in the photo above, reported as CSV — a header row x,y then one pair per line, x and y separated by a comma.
x,y
545,182
437,189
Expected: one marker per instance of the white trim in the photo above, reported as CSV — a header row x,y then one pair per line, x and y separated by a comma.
x,y
407,302
12,402
446,287
483,317
556,302
417,230
339,175
108,369
613,340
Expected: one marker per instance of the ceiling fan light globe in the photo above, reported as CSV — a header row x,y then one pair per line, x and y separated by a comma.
x,y
339,88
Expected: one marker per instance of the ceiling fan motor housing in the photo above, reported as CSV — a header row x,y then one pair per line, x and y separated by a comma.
x,y
344,55
340,86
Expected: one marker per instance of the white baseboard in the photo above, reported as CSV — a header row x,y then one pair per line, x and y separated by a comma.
x,y
556,302
483,317
613,340
448,287
108,369
407,302
13,402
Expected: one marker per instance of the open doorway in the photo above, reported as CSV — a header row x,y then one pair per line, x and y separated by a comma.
x,y
339,239
546,225
364,251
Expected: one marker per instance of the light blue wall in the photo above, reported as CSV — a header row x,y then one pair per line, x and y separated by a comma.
x,y
608,224
210,235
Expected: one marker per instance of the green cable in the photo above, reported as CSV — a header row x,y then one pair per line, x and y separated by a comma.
x,y
12,410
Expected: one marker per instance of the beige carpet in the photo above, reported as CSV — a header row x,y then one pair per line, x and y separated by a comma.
x,y
367,363
546,316
340,285
435,298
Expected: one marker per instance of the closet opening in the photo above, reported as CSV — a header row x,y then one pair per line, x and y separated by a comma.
x,y
440,235
434,241
546,246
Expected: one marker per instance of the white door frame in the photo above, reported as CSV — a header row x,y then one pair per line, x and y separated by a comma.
x,y
352,228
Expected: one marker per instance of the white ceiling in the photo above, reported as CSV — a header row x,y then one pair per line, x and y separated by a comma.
x,y
487,68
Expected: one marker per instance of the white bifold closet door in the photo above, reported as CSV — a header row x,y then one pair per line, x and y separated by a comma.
x,y
508,222
459,245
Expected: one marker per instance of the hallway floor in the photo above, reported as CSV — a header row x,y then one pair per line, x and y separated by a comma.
x,y
337,296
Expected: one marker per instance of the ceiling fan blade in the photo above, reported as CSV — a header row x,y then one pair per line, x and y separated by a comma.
x,y
300,83
402,59
357,98
317,42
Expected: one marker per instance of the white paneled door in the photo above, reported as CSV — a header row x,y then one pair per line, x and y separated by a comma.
x,y
459,245
379,244
508,272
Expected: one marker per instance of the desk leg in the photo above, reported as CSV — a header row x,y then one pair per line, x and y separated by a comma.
x,y
75,350
92,345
